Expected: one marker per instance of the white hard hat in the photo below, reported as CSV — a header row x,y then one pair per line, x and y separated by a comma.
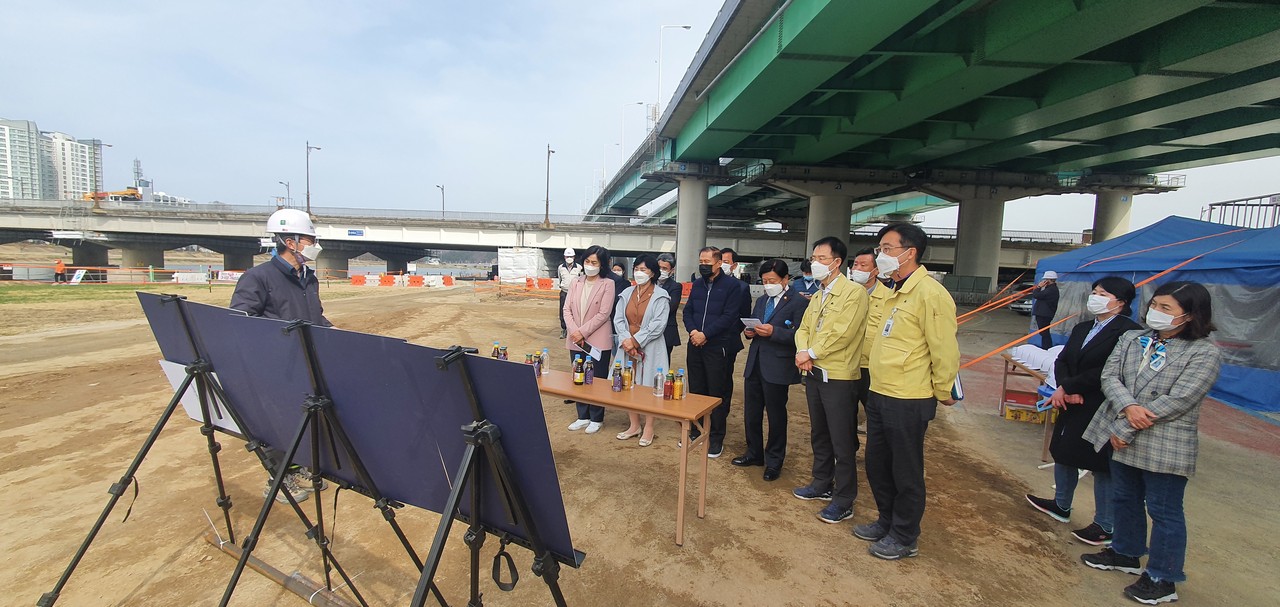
x,y
569,252
1051,275
291,221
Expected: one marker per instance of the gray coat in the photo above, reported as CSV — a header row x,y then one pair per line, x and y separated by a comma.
x,y
1174,394
649,336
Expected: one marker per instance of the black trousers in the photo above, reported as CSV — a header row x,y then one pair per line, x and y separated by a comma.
x,y
833,432
594,413
760,398
864,391
1046,340
895,461
560,311
711,374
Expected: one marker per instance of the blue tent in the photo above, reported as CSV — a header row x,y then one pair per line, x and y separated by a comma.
x,y
1239,266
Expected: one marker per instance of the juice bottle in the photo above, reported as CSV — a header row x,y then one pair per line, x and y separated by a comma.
x,y
669,387
589,371
577,370
628,381
502,353
496,352
679,388
617,376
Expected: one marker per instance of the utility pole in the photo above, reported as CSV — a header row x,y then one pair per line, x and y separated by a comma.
x,y
546,221
309,148
288,194
441,201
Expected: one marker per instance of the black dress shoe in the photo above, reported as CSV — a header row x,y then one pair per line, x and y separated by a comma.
x,y
744,461
771,474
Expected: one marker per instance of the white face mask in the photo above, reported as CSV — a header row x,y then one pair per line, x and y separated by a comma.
x,y
726,268
821,271
1162,321
568,261
642,277
1098,304
663,275
591,270
773,290
888,264
859,276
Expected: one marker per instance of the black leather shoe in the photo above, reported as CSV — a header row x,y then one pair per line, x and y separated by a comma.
x,y
744,461
771,474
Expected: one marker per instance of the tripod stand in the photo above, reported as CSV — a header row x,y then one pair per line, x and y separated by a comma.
x,y
484,450
210,392
321,419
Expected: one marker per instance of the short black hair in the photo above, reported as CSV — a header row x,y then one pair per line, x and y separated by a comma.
x,y
1122,289
912,236
867,251
728,251
777,266
602,255
648,262
1195,302
710,249
837,246
806,266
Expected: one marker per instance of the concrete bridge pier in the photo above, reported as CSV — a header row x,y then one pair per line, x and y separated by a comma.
x,y
238,260
978,233
333,264
828,216
142,257
1111,212
691,225
89,255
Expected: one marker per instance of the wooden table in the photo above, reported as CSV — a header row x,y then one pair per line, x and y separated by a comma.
x,y
1017,369
694,411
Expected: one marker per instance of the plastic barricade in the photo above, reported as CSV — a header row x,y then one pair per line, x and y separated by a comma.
x,y
686,288
544,284
448,281
357,280
417,281
386,281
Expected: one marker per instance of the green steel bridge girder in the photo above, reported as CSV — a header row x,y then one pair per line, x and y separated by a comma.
x,y
1018,40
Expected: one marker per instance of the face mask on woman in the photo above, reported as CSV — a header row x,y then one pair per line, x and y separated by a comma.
x,y
1098,304
1162,321
591,270
642,277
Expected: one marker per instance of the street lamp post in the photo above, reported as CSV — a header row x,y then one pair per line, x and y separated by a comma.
x,y
309,148
288,194
546,221
441,200
622,135
658,106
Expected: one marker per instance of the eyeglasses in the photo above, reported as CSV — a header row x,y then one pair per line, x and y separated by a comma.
x,y
823,259
887,248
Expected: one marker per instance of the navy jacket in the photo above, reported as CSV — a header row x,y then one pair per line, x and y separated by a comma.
x,y
715,307
271,289
776,354
1046,301
676,291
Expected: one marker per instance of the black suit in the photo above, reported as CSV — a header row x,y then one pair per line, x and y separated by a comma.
x,y
1078,370
771,369
672,333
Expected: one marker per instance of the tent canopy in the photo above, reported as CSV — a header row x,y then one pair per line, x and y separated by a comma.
x,y
1239,266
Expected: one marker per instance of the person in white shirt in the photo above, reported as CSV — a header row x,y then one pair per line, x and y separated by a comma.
x,y
566,272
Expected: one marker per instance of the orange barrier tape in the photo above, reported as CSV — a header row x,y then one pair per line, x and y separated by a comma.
x,y
963,318
1006,288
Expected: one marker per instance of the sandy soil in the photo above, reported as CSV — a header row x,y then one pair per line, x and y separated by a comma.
x,y
80,389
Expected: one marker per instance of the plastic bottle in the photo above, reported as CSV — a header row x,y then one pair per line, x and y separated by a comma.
x,y
617,376
628,380
577,370
589,371
679,391
496,351
669,387
657,382
502,353
546,362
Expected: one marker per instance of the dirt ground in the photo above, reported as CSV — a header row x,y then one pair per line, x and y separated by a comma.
x,y
80,388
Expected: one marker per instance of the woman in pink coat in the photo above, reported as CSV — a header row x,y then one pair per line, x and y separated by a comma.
x,y
587,312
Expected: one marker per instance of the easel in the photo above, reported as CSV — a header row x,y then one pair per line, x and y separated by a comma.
x,y
484,443
321,419
200,374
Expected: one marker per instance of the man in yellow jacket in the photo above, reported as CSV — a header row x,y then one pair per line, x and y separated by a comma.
x,y
829,350
914,360
863,272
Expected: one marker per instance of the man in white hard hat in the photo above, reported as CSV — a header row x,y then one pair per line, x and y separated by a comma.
x,y
1046,305
566,272
285,288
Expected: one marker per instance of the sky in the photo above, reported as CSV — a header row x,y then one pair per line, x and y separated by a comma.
x,y
218,100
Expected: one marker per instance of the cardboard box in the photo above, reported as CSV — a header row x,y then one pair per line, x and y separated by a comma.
x,y
1019,413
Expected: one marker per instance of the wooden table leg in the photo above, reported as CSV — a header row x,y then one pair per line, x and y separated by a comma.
x,y
702,490
684,475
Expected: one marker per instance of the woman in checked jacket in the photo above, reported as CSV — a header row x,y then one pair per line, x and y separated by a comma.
x,y
1155,381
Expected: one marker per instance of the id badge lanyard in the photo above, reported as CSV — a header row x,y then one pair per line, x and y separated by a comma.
x,y
888,323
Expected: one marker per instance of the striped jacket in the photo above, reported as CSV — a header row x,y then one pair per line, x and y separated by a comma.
x,y
1174,394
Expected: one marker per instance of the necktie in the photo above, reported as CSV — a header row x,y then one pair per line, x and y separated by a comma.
x,y
768,308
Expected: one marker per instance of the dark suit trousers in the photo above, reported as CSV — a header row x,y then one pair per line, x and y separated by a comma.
x,y
602,370
1046,340
833,430
759,398
711,374
560,310
895,461
864,392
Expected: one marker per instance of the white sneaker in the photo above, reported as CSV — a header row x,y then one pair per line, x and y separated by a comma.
x,y
594,427
580,424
